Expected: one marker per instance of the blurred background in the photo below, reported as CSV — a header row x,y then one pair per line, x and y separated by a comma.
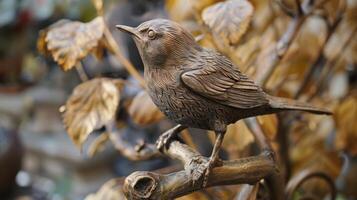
x,y
39,159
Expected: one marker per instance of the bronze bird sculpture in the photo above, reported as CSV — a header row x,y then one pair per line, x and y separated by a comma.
x,y
198,87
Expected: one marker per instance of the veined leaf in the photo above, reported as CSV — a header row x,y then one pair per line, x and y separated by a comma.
x,y
91,105
70,41
229,19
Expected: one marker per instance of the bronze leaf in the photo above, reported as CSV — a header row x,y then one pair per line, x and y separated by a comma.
x,y
70,41
91,105
229,19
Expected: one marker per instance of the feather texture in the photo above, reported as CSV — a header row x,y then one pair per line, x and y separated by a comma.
x,y
217,79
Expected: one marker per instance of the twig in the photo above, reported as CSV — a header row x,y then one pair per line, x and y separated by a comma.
x,y
119,55
321,59
285,9
258,134
98,4
274,16
99,7
305,175
281,48
140,151
332,64
248,192
298,7
284,42
275,181
81,73
149,185
284,127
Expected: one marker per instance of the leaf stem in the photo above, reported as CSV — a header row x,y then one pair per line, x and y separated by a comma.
x,y
119,56
81,73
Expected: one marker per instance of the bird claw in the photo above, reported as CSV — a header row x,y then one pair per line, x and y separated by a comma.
x,y
164,140
207,173
200,168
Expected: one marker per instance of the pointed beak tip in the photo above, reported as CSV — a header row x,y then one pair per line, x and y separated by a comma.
x,y
125,28
119,26
128,29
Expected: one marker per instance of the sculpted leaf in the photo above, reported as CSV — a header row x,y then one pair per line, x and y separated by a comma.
x,y
229,19
143,111
70,41
91,105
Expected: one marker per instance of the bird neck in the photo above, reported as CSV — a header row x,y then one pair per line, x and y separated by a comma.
x,y
175,58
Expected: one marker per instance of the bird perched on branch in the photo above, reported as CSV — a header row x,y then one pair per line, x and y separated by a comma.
x,y
198,87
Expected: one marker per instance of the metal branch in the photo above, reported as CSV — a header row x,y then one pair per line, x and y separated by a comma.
x,y
119,55
99,6
298,7
149,185
138,151
321,59
262,141
81,73
276,181
329,67
304,176
288,11
281,48
285,41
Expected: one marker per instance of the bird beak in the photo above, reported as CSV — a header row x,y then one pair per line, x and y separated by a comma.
x,y
128,29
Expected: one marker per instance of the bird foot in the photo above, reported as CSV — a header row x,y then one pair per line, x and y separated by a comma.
x,y
211,164
164,139
200,168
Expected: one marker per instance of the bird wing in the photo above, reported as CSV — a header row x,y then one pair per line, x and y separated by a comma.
x,y
218,80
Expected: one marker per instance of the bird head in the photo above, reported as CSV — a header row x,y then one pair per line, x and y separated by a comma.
x,y
160,41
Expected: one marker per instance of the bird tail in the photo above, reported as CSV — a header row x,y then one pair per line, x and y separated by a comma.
x,y
290,104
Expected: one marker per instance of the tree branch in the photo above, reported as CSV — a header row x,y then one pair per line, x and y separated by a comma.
x,y
331,65
304,176
81,73
149,185
99,6
276,181
119,56
138,151
286,39
321,59
258,134
288,11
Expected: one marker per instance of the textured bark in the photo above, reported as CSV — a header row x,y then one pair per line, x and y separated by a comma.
x,y
149,185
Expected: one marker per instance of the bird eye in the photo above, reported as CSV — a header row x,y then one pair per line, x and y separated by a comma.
x,y
151,34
